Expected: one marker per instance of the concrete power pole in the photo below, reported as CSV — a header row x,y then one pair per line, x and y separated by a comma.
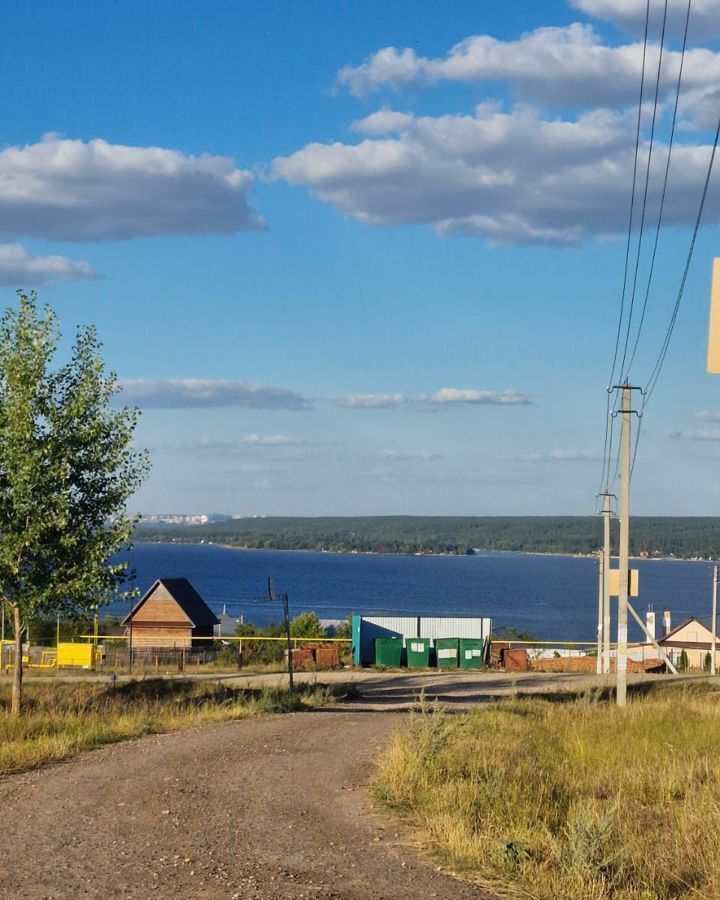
x,y
606,582
624,548
601,599
713,667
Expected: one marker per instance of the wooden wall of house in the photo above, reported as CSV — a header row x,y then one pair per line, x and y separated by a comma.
x,y
160,607
161,637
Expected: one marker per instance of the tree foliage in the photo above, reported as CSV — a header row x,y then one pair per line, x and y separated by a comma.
x,y
67,469
306,625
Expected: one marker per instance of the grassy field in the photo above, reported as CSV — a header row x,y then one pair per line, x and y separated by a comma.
x,y
568,798
62,720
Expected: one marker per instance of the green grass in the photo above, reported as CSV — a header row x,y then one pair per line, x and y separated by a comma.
x,y
62,720
573,799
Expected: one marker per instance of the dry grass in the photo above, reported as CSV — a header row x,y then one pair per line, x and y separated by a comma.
x,y
62,720
569,799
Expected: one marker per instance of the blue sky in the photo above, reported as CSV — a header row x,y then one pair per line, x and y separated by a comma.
x,y
360,258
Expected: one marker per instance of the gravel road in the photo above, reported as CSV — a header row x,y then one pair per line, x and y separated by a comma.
x,y
259,809
264,808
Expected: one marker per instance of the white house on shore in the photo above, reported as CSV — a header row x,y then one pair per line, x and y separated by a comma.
x,y
694,637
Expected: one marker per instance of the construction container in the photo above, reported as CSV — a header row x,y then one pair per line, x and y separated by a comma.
x,y
366,630
418,653
388,652
80,656
302,658
472,653
446,652
516,660
327,657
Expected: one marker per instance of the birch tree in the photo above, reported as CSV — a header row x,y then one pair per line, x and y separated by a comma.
x,y
67,470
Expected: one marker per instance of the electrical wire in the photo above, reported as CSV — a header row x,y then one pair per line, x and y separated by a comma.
x,y
638,255
606,457
657,369
664,187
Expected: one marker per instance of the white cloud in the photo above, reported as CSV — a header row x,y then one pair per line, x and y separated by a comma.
x,y
400,476
709,416
396,456
466,397
568,66
558,456
630,15
444,398
73,190
370,401
269,440
189,393
20,268
697,434
511,177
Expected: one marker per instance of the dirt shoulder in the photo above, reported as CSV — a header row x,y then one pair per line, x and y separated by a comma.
x,y
266,808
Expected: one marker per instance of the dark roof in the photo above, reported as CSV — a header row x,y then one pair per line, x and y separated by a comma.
x,y
186,597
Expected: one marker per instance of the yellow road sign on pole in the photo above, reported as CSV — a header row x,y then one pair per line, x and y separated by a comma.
x,y
713,355
633,582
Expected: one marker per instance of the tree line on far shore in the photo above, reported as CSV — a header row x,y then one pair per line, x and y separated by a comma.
x,y
683,537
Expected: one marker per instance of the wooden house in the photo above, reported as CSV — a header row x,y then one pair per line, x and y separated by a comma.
x,y
171,615
695,638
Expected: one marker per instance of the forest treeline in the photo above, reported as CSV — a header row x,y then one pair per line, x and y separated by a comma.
x,y
684,537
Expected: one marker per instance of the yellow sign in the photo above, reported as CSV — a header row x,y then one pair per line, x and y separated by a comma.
x,y
614,582
713,356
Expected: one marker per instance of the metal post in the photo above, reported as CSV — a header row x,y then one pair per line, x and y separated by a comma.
x,y
601,593
713,667
286,610
606,582
624,549
130,626
57,633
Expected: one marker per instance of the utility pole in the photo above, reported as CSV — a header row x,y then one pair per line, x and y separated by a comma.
x,y
624,548
601,598
713,667
606,513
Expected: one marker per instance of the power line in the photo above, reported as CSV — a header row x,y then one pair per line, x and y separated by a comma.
x,y
664,187
608,418
645,196
632,196
657,369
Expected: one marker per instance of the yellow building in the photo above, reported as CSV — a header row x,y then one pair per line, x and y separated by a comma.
x,y
695,638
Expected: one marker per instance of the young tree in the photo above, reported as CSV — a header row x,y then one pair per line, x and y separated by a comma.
x,y
67,468
306,625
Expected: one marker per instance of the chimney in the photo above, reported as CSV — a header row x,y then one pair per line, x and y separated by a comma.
x,y
667,621
650,622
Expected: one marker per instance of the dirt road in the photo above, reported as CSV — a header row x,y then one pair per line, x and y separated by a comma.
x,y
254,810
265,808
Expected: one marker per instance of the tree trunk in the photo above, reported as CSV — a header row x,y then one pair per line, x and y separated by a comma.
x,y
17,668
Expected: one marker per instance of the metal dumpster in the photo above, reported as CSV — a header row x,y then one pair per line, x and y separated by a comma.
x,y
418,653
446,652
472,653
388,652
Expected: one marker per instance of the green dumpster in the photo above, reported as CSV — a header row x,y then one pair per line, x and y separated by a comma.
x,y
388,652
446,652
472,653
418,653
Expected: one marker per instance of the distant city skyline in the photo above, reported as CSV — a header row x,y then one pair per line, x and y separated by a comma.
x,y
367,259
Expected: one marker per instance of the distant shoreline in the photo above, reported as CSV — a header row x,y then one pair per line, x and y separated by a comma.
x,y
425,555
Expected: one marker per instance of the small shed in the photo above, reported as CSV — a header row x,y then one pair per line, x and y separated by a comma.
x,y
694,637
171,615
